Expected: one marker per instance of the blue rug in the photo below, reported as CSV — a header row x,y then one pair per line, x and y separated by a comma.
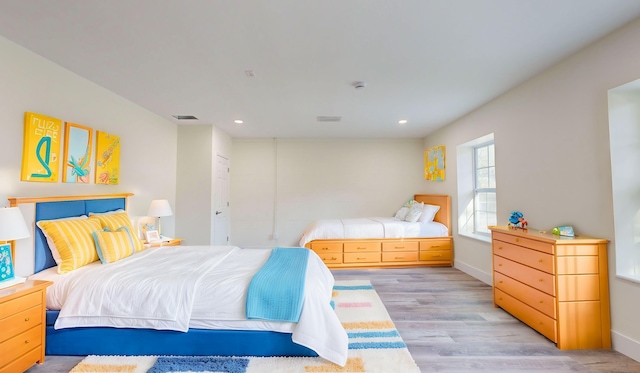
x,y
374,346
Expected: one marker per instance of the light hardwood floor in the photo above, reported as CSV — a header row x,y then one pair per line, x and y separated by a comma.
x,y
448,321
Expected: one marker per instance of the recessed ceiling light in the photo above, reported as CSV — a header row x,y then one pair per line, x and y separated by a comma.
x,y
402,121
238,121
185,117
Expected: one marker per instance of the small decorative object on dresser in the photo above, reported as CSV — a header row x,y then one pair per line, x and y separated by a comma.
x,y
22,326
516,220
557,285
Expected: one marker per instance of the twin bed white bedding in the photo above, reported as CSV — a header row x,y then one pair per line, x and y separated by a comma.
x,y
207,285
379,227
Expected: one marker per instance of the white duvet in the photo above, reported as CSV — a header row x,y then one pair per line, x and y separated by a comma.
x,y
178,287
371,228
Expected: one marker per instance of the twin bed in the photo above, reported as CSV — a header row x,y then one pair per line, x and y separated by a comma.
x,y
398,241
178,300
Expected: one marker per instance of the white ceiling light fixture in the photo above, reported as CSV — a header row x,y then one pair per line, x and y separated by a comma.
x,y
402,121
238,121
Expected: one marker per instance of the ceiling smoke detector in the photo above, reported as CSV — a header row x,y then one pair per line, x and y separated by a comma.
x,y
359,85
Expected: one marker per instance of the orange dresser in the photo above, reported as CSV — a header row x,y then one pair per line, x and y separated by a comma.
x,y
559,286
22,326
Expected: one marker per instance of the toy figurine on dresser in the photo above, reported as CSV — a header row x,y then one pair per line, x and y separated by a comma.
x,y
516,220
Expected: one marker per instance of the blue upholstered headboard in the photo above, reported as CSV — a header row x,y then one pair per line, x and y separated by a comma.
x,y
65,209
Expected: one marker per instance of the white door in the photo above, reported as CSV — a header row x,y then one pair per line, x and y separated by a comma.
x,y
221,202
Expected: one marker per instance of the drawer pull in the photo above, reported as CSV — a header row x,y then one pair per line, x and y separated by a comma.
x,y
435,245
540,261
500,282
499,264
26,342
26,319
437,255
399,247
499,247
399,257
333,258
324,248
541,280
541,301
517,240
361,258
361,248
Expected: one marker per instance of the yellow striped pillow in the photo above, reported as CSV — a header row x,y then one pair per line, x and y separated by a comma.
x,y
117,219
73,241
113,246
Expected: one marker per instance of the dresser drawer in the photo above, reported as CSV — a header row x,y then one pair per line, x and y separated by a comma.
x,y
540,280
530,316
523,241
326,247
400,256
364,257
568,265
435,255
401,246
573,288
532,258
331,258
20,322
20,304
355,247
20,344
537,299
437,245
23,362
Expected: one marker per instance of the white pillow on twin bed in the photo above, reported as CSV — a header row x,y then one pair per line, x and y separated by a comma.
x,y
429,212
402,213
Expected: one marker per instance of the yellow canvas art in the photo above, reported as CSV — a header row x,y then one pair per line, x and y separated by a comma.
x,y
107,158
434,163
41,148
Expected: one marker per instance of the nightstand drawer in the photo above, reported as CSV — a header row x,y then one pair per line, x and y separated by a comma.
x,y
326,247
20,304
356,247
20,322
362,257
401,246
20,344
400,256
22,363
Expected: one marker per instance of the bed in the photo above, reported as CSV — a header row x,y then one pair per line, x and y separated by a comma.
x,y
386,241
206,317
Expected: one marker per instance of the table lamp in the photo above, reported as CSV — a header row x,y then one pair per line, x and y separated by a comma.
x,y
12,227
158,209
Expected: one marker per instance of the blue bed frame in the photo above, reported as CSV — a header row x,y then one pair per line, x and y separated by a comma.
x,y
129,341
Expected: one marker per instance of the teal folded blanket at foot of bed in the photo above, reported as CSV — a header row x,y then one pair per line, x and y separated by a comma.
x,y
276,291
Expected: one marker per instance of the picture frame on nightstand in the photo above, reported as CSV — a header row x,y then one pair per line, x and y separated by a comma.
x,y
152,236
7,271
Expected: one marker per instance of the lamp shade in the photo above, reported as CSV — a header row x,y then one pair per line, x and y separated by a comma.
x,y
160,207
12,224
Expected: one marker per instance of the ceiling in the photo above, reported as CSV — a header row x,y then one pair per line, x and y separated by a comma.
x,y
426,61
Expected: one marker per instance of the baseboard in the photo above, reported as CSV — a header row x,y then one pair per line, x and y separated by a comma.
x,y
625,345
487,278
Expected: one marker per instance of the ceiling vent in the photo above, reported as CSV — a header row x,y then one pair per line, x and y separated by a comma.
x,y
184,117
329,118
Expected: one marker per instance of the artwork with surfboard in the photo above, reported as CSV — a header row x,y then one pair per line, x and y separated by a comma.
x,y
77,153
107,158
41,148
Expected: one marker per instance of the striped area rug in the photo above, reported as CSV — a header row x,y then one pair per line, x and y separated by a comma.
x,y
374,346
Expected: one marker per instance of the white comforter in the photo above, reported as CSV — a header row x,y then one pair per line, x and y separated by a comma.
x,y
178,287
371,228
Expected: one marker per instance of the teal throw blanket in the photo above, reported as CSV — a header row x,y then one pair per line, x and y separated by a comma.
x,y
276,291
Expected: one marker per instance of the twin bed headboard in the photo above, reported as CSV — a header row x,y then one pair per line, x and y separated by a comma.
x,y
33,255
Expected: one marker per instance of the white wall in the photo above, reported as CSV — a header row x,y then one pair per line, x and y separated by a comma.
x,y
148,142
280,186
198,147
552,160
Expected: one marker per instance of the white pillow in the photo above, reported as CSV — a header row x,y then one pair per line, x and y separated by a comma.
x,y
428,213
414,212
402,213
52,246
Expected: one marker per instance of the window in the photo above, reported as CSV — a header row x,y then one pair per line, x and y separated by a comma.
x,y
476,187
484,188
